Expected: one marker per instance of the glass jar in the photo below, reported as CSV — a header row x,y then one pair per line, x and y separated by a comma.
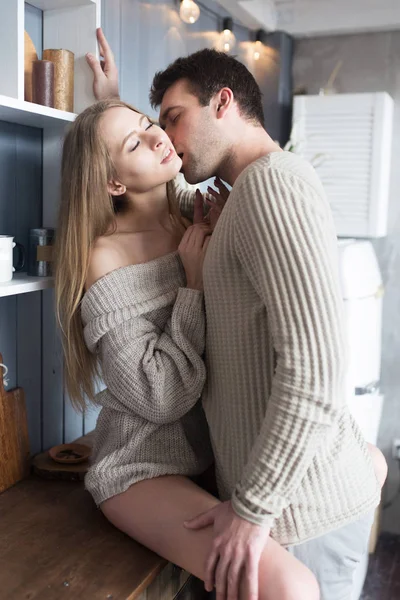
x,y
40,252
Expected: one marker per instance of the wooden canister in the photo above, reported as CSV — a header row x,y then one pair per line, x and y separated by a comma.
x,y
43,82
63,77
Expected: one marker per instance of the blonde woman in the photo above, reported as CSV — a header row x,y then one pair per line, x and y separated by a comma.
x,y
130,305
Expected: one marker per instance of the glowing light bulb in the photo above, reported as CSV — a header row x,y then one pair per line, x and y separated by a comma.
x,y
228,39
189,12
257,50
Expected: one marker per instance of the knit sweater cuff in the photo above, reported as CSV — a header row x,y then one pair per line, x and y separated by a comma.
x,y
190,298
249,511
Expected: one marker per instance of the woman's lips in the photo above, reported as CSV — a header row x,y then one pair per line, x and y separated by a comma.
x,y
169,157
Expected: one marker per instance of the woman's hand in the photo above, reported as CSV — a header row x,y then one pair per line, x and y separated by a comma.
x,y
216,205
192,250
193,246
105,73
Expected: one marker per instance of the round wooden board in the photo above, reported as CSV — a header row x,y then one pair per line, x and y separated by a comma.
x,y
46,467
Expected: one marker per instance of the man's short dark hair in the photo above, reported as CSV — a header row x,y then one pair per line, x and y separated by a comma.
x,y
207,72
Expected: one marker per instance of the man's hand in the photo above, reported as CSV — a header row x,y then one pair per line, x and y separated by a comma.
x,y
105,73
237,547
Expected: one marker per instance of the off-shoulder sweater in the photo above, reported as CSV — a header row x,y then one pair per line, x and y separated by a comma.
x,y
148,331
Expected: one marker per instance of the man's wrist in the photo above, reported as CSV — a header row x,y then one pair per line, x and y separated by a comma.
x,y
250,512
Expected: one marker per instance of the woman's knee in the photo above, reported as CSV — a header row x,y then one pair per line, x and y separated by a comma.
x,y
380,464
303,586
284,577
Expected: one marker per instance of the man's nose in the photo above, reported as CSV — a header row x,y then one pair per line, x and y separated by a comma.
x,y
169,133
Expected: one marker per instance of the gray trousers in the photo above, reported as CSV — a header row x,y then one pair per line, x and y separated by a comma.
x,y
334,557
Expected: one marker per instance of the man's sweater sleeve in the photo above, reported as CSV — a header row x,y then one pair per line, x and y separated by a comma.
x,y
285,242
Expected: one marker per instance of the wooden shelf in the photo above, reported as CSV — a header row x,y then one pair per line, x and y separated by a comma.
x,y
33,115
22,283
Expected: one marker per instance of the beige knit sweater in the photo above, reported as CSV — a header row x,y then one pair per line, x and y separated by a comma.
x,y
148,331
287,450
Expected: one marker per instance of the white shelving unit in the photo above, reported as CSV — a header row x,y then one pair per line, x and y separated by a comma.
x,y
22,283
69,24
33,115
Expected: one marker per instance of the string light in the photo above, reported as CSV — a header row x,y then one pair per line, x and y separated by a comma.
x,y
189,11
258,44
228,39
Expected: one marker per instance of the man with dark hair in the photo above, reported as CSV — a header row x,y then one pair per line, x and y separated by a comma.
x,y
208,71
290,460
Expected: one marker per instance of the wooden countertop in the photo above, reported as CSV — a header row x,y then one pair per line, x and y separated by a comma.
x,y
55,543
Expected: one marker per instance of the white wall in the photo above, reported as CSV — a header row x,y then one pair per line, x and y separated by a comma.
x,y
321,17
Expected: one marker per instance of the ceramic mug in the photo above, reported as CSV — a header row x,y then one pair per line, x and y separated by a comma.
x,y
6,257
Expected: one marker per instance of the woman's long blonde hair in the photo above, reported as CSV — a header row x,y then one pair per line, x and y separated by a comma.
x,y
87,211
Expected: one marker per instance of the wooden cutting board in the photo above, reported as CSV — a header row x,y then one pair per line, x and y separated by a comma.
x,y
14,440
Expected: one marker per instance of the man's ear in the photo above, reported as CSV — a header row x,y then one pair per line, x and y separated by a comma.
x,y
116,188
223,101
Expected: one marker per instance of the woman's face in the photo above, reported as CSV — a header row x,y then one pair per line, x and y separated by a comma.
x,y
143,154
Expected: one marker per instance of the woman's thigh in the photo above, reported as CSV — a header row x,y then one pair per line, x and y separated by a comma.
x,y
153,511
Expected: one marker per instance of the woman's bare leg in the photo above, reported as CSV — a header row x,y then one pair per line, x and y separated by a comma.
x,y
153,511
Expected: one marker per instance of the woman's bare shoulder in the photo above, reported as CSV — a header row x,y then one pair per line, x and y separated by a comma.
x,y
106,255
121,249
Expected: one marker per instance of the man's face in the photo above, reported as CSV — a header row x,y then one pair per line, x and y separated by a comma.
x,y
193,131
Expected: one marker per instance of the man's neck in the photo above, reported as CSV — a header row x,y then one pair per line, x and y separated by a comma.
x,y
252,143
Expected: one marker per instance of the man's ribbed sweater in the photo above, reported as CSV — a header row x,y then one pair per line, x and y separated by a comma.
x,y
287,450
148,331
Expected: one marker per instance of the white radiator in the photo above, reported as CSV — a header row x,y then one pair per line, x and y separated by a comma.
x,y
349,138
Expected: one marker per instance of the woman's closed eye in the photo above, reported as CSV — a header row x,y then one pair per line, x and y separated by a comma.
x,y
138,143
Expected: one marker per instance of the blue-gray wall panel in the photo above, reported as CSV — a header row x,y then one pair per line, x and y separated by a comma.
x,y
29,362
52,376
8,200
34,27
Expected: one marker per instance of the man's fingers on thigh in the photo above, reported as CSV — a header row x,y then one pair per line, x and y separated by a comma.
x,y
233,579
